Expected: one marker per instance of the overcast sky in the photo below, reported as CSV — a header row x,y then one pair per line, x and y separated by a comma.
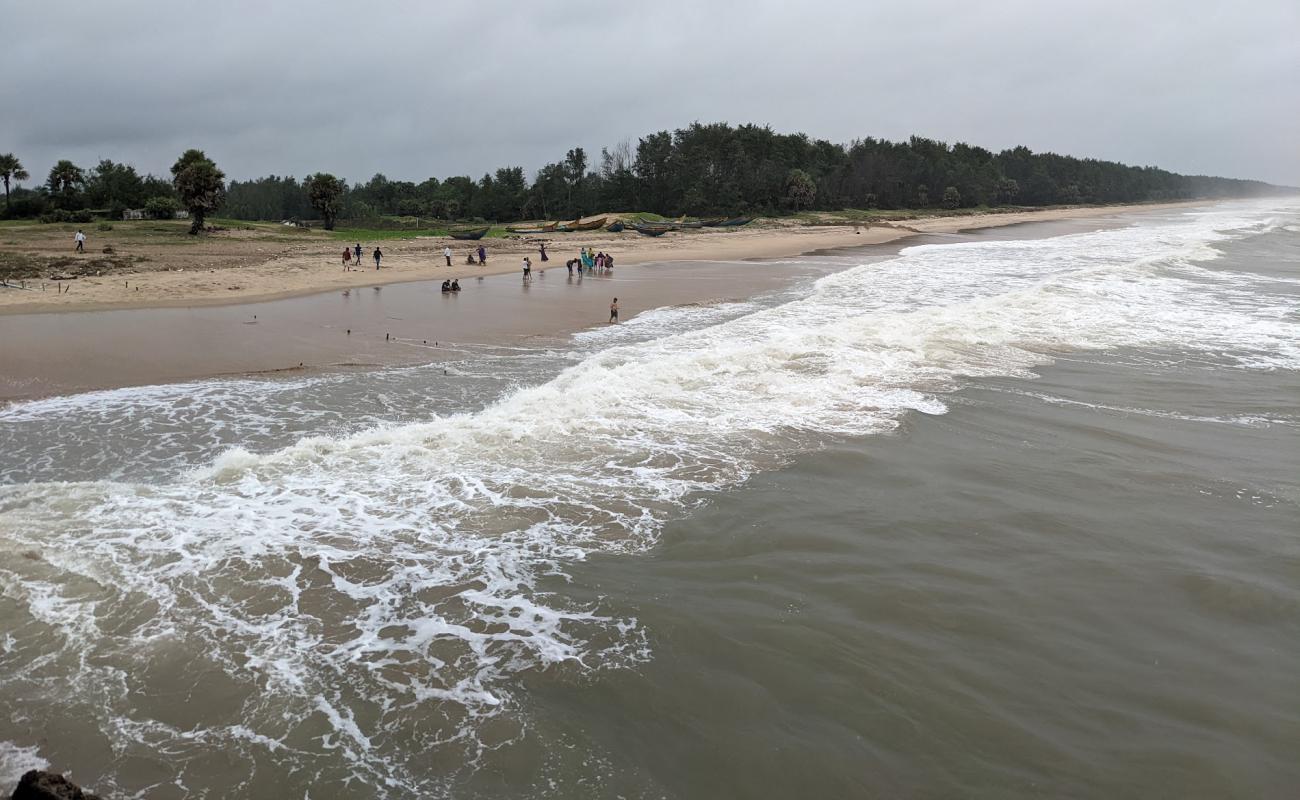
x,y
414,89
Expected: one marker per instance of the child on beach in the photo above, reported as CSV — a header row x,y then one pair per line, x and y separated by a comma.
x,y
347,259
357,251
613,311
378,254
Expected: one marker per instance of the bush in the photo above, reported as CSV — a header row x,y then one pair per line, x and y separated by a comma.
x,y
161,207
104,226
56,215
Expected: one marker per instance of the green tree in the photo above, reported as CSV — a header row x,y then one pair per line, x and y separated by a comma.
x,y
201,186
1008,188
65,182
11,169
326,193
800,191
951,197
112,185
161,207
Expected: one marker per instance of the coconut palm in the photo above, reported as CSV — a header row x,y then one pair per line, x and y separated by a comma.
x,y
11,169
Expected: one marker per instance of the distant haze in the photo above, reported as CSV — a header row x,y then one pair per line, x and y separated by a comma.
x,y
419,89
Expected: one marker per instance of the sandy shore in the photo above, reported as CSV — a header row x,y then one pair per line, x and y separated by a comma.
x,y
222,270
356,321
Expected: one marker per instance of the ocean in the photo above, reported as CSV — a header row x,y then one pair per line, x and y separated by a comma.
x,y
1008,517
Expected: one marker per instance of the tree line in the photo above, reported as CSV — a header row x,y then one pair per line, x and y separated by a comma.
x,y
702,169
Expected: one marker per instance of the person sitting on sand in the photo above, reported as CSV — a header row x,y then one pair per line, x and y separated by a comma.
x,y
469,259
378,254
446,286
455,285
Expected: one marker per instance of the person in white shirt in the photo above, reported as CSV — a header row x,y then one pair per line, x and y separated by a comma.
x,y
80,238
446,253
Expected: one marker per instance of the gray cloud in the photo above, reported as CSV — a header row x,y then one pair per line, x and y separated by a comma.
x,y
414,89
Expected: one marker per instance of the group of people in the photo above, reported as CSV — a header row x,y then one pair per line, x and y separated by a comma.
x,y
350,252
590,262
450,286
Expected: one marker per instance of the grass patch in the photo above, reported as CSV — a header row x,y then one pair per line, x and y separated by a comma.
x,y
28,266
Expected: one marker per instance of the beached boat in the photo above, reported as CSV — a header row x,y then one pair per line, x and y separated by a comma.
x,y
477,233
547,228
579,225
617,227
712,222
735,222
651,230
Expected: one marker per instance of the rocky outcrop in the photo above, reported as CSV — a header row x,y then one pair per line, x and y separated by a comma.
x,y
40,785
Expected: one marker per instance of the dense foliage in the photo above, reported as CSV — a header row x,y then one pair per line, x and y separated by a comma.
x,y
716,169
201,186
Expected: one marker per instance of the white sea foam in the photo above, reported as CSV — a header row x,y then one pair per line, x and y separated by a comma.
x,y
16,760
388,584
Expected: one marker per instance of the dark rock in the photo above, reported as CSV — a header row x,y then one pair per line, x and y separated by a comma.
x,y
40,785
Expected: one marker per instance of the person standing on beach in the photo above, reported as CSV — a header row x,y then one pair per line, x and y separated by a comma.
x,y
446,253
347,259
613,311
482,255
528,269
80,239
378,254
609,262
542,250
357,251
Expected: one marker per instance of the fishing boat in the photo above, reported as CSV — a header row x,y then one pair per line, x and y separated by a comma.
x,y
735,222
547,228
477,233
651,230
617,227
579,225
712,222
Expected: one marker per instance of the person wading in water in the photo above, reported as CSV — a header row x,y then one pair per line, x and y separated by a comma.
x,y
613,311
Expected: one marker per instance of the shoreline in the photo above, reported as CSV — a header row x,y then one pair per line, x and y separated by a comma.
x,y
339,328
420,259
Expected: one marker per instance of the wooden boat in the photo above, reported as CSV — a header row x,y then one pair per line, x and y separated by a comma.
x,y
712,222
735,222
617,227
477,233
578,225
547,228
651,230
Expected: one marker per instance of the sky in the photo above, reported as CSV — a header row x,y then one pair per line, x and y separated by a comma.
x,y
420,89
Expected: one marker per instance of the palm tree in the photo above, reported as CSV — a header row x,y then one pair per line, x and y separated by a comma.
x,y
65,176
11,169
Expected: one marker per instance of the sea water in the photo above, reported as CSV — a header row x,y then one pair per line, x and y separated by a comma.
x,y
993,518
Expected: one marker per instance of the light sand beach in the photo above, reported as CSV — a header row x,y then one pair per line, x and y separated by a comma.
x,y
236,267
